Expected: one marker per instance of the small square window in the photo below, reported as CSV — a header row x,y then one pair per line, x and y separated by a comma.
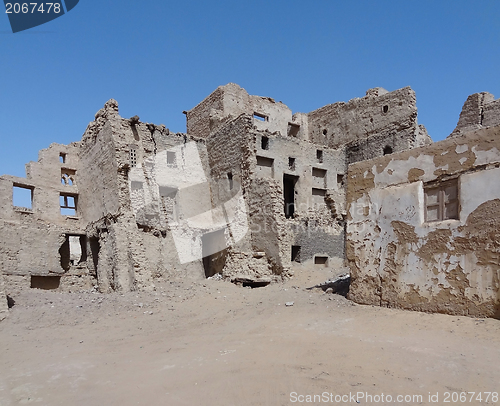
x,y
320,260
171,158
22,197
319,173
318,192
441,201
68,204
68,177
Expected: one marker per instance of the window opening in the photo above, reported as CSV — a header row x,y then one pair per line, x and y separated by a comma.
x,y
45,282
387,150
319,177
265,166
68,177
68,204
320,260
289,194
385,109
441,201
260,117
340,180
73,251
319,155
264,142
230,178
62,157
171,158
291,164
133,157
22,196
293,129
295,253
264,161
318,192
319,172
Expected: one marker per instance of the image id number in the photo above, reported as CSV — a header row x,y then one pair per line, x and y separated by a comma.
x,y
26,8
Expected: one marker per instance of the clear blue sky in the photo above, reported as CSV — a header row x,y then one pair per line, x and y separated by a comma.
x,y
158,58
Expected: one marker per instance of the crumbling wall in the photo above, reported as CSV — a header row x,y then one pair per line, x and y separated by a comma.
x,y
230,101
480,110
34,242
398,257
230,151
198,119
388,115
127,198
270,234
491,114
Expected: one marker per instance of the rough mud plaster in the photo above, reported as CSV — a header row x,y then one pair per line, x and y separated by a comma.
x,y
414,174
404,232
397,259
359,182
440,158
476,188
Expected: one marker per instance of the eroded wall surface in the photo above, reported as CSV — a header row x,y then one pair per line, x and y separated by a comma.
x,y
35,237
250,191
480,110
399,258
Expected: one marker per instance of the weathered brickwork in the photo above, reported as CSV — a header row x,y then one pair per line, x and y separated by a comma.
x,y
254,192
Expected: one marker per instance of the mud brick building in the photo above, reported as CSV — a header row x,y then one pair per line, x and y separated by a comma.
x,y
253,192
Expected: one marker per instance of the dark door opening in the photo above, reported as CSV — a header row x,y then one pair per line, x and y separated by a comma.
x,y
94,251
214,251
289,182
296,253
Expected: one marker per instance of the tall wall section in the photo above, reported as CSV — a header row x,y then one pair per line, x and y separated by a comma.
x,y
380,123
43,241
128,203
480,110
423,227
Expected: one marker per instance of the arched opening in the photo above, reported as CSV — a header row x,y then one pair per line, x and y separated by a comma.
x,y
387,150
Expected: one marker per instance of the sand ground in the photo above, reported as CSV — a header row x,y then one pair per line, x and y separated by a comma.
x,y
214,343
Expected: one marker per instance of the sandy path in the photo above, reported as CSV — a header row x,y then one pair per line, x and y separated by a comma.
x,y
220,344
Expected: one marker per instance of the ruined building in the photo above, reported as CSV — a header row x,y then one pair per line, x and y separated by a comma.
x,y
253,192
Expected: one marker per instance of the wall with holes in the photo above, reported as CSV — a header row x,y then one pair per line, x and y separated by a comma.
x,y
37,215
